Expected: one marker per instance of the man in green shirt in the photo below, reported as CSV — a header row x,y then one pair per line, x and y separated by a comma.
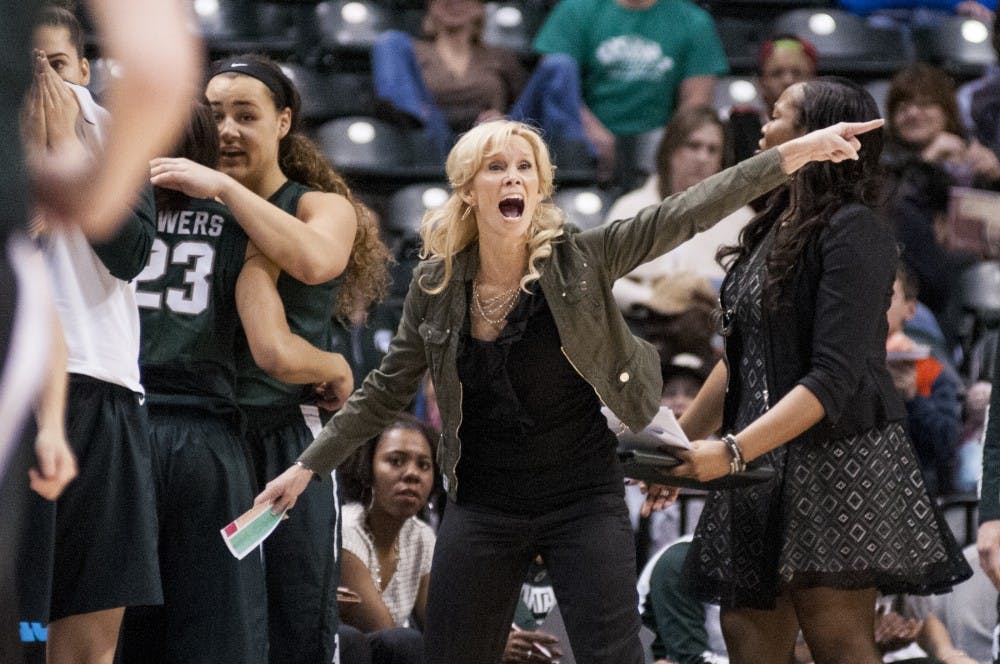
x,y
638,59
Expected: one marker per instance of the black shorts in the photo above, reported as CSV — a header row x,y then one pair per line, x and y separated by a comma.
x,y
303,561
215,606
105,530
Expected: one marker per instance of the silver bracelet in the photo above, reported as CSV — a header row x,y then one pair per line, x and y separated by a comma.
x,y
737,464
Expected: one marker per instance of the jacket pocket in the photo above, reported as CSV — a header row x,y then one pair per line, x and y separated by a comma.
x,y
435,344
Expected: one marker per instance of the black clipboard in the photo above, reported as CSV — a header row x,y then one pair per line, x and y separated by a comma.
x,y
652,468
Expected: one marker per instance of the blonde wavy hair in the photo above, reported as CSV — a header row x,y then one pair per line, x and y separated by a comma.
x,y
447,230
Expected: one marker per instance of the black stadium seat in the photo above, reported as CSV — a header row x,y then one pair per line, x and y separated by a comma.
x,y
407,206
960,45
364,146
585,207
330,94
351,25
846,43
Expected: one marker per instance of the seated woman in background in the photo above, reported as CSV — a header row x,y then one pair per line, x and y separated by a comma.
x,y
448,81
926,153
387,550
924,124
693,147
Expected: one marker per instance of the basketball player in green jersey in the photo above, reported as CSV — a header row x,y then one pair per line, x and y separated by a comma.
x,y
303,218
214,605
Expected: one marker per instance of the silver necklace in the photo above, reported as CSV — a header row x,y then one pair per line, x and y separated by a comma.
x,y
376,568
494,310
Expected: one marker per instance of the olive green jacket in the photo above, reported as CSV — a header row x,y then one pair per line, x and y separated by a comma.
x,y
576,280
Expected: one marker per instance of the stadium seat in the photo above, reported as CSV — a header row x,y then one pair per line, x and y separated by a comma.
x,y
330,94
351,25
733,91
846,43
977,296
585,207
407,206
741,39
237,26
368,147
879,89
512,24
960,45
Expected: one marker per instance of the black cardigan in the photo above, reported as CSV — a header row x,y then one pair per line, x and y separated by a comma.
x,y
828,330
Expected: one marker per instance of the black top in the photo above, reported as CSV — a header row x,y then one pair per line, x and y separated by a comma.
x,y
533,436
828,329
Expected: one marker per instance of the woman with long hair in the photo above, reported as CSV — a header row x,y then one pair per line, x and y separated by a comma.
x,y
513,314
387,553
804,387
310,236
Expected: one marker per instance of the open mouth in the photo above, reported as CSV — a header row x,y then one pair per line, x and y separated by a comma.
x,y
512,207
230,153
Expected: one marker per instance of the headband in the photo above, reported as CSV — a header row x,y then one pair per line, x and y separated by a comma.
x,y
274,81
801,45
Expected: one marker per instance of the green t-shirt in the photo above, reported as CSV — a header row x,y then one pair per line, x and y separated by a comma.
x,y
309,312
187,305
632,61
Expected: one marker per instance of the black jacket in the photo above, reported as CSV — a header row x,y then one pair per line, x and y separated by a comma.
x,y
828,330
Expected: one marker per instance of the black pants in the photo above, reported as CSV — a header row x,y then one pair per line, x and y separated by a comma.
x,y
481,558
394,645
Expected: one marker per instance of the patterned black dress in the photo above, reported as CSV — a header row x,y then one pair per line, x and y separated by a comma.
x,y
848,513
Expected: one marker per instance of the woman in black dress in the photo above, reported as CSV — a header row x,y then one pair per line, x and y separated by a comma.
x,y
804,388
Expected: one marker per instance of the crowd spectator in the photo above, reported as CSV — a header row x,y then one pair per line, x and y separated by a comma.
x,y
387,549
926,154
638,61
536,601
782,60
924,124
967,614
687,630
692,148
449,80
918,12
930,389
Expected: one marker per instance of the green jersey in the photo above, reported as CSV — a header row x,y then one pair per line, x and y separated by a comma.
x,y
187,306
632,61
309,312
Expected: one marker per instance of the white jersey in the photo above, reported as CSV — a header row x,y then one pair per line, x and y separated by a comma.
x,y
98,311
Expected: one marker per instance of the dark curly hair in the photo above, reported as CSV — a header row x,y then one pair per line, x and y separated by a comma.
x,y
356,474
817,190
366,279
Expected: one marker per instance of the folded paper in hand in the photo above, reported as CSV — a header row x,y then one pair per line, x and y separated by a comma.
x,y
662,433
250,529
